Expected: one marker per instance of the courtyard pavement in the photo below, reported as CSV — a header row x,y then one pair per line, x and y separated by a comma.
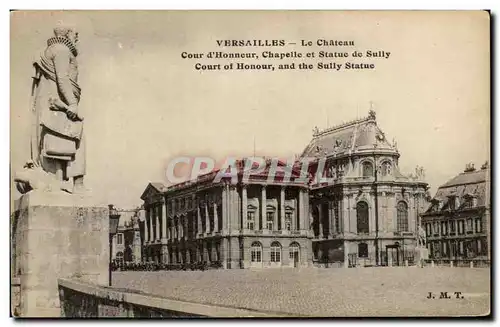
x,y
337,292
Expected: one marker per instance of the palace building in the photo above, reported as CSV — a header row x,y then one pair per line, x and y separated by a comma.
x,y
252,223
369,214
365,214
457,221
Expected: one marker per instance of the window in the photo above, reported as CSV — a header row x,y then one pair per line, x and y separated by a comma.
x,y
363,250
211,221
445,248
436,228
461,248
451,202
479,226
452,227
294,251
367,169
444,228
269,219
251,220
288,220
119,238
402,217
470,228
460,227
362,217
256,252
275,252
185,228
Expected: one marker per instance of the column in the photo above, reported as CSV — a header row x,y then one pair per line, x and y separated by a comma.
x,y
263,207
294,215
207,219
200,226
225,225
181,226
331,218
164,220
320,220
216,218
146,227
152,230
301,211
345,214
244,206
157,219
307,210
282,208
235,210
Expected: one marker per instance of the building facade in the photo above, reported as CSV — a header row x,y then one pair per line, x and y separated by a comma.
x,y
252,223
369,214
457,221
126,243
366,213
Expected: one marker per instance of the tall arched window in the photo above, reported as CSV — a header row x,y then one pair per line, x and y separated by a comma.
x,y
294,252
402,218
362,217
256,252
275,252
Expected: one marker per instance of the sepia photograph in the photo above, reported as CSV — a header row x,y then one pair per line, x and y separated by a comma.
x,y
250,164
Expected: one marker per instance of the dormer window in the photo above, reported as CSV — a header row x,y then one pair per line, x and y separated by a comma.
x,y
470,201
453,202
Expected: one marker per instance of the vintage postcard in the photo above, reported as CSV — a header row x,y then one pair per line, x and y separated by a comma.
x,y
250,164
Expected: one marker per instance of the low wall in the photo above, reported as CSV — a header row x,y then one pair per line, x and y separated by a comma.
x,y
80,299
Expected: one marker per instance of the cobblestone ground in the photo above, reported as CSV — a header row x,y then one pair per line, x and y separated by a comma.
x,y
325,292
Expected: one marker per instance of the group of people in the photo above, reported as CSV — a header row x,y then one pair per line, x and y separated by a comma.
x,y
154,266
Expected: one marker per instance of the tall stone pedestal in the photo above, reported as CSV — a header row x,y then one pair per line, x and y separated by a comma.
x,y
57,235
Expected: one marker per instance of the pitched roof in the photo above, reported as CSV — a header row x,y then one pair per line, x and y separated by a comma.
x,y
472,177
353,135
158,187
468,183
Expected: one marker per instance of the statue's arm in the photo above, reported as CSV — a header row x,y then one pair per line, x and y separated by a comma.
x,y
61,56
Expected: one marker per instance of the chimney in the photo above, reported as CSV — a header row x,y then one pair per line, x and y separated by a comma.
x,y
469,168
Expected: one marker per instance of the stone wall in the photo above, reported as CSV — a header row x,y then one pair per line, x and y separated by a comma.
x,y
80,299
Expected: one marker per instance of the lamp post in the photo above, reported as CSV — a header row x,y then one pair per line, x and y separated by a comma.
x,y
114,218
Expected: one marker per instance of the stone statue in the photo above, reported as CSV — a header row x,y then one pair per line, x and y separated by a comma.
x,y
421,239
57,141
419,173
315,131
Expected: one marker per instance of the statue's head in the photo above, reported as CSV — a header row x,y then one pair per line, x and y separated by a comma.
x,y
68,32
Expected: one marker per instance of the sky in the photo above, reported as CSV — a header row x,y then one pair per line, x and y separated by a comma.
x,y
143,104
